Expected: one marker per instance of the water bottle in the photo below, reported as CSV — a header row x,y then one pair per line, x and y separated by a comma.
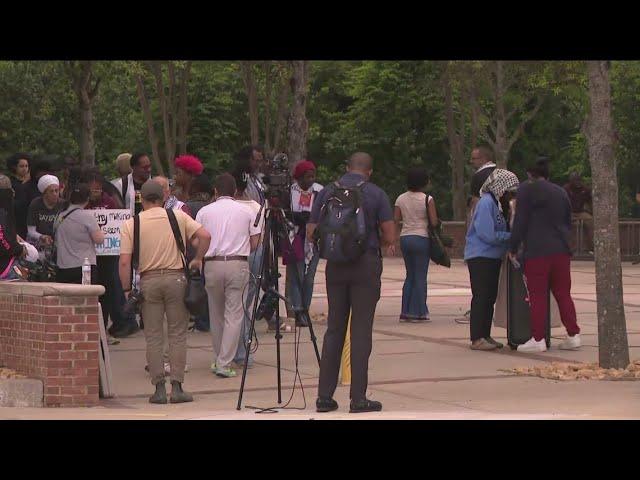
x,y
86,272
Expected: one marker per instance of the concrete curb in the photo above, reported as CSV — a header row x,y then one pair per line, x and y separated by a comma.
x,y
21,392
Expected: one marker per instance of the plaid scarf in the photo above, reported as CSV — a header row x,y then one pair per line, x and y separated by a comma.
x,y
499,182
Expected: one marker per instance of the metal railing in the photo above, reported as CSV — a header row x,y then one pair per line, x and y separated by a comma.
x,y
629,231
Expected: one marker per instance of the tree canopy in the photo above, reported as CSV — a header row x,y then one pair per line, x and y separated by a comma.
x,y
395,110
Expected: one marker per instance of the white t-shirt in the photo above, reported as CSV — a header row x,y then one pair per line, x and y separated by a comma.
x,y
302,200
255,208
230,224
413,207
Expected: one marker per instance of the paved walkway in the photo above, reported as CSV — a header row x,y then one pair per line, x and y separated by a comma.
x,y
417,371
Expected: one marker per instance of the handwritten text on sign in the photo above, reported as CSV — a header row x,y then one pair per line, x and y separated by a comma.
x,y
110,221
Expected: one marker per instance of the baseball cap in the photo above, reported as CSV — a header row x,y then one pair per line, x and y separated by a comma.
x,y
152,191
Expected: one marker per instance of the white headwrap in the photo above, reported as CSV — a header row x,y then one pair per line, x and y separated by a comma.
x,y
46,181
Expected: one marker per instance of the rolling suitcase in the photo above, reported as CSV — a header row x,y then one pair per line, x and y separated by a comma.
x,y
518,310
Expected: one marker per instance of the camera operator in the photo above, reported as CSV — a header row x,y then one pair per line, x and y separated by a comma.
x,y
302,261
250,160
163,285
255,266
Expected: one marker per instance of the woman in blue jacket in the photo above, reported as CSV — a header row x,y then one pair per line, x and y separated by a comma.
x,y
487,242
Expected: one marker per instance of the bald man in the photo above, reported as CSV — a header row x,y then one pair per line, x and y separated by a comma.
x,y
354,288
170,200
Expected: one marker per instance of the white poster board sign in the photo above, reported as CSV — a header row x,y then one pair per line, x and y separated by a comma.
x,y
110,221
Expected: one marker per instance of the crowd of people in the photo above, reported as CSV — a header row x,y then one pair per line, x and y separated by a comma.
x,y
215,228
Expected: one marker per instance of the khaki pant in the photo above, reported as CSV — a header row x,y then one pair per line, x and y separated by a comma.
x,y
164,295
225,282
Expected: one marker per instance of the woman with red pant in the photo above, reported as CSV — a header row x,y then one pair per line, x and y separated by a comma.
x,y
543,224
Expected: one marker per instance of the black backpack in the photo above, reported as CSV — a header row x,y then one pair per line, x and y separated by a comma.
x,y
342,230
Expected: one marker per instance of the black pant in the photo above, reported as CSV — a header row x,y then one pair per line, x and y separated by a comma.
x,y
354,288
74,275
113,300
484,274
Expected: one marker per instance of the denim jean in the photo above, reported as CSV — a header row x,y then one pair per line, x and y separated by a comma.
x,y
253,288
415,251
296,277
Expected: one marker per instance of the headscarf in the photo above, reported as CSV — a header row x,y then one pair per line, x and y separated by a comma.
x,y
499,182
302,168
46,181
190,164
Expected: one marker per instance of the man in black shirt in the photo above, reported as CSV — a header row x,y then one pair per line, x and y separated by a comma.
x,y
543,224
354,287
130,185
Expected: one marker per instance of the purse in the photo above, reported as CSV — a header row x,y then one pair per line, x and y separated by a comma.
x,y
437,251
195,296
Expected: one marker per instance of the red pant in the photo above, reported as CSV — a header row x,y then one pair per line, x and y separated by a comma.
x,y
554,271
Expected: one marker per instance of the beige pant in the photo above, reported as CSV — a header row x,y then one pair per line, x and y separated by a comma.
x,y
225,282
164,295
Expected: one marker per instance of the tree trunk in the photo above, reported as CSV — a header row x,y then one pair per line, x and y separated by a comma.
x,y
267,105
501,144
169,145
81,74
252,97
456,153
153,137
298,125
282,113
183,112
87,129
613,346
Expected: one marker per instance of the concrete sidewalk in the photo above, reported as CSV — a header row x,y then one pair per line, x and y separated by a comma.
x,y
418,371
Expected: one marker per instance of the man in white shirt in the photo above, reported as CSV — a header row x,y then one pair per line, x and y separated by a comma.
x,y
226,270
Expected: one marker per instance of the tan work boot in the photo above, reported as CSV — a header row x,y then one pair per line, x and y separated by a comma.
x,y
483,344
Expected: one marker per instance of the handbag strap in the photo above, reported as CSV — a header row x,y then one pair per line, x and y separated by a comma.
x,y
178,237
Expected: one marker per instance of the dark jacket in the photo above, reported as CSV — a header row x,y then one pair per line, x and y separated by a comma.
x,y
542,221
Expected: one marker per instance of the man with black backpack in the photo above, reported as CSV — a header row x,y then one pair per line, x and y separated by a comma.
x,y
346,220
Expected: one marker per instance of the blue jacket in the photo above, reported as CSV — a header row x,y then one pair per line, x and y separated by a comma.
x,y
487,235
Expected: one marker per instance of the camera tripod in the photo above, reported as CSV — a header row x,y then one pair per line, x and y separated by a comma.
x,y
276,226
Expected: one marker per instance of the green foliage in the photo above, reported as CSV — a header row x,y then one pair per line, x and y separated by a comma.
x,y
392,109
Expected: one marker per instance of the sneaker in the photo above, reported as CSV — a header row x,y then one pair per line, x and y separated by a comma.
x,y
326,405
483,344
112,341
571,343
533,346
365,406
404,318
225,372
497,344
465,319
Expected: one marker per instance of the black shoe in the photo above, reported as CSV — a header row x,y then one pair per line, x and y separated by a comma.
x,y
125,331
326,405
178,395
365,406
160,396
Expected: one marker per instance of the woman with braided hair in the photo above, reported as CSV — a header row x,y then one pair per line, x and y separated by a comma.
x,y
487,242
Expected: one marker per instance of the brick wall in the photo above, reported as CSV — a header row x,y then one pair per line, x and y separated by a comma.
x,y
50,332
